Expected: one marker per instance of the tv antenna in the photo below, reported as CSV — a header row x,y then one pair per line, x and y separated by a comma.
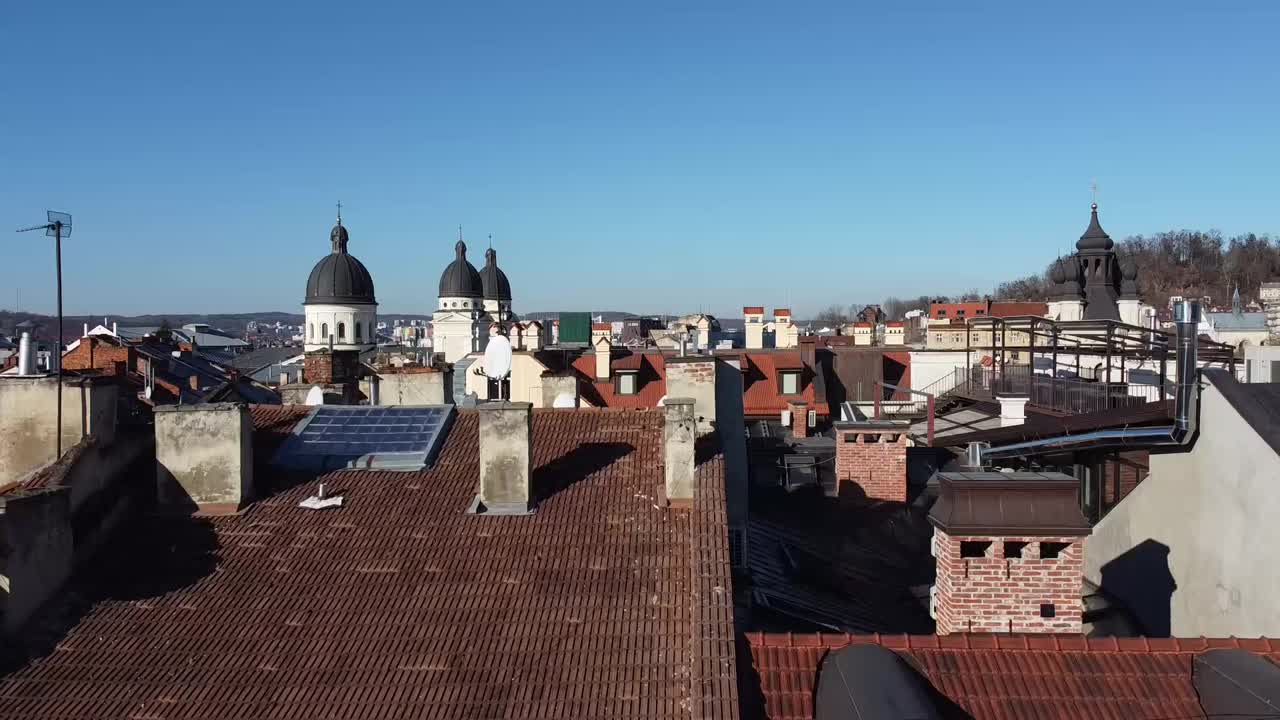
x,y
57,227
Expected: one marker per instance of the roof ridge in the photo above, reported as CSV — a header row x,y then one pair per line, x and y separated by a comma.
x,y
1014,641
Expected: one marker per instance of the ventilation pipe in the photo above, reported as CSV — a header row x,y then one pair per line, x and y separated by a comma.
x,y
1186,315
26,355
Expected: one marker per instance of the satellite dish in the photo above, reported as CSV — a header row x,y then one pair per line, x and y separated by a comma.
x,y
565,400
315,396
497,358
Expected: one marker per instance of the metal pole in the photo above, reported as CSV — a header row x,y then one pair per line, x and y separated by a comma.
x,y
931,406
57,345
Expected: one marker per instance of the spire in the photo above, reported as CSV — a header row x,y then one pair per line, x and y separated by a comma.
x,y
1236,307
339,212
1094,237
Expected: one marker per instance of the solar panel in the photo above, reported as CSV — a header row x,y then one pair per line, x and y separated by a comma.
x,y
334,437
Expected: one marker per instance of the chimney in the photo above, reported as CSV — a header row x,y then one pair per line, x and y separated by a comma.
x,y
809,351
694,376
799,418
556,386
1010,553
604,355
679,436
26,355
204,457
506,453
1013,409
753,326
871,460
86,330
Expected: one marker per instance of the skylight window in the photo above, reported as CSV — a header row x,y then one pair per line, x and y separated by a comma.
x,y
335,437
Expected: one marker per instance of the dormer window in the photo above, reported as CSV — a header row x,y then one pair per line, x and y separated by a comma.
x,y
789,380
627,382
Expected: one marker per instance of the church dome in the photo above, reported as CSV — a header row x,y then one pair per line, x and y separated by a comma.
x,y
1094,237
496,285
460,278
1057,273
339,277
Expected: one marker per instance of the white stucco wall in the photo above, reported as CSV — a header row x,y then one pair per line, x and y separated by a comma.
x,y
320,317
526,379
929,367
1213,511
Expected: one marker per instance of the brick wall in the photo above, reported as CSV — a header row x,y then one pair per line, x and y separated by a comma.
x,y
799,419
993,593
326,368
93,354
873,460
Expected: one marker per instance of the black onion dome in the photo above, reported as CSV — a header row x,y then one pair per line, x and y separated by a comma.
x,y
339,277
460,278
496,285
1057,273
1094,237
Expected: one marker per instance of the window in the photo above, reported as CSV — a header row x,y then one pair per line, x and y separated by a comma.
x,y
791,383
1047,610
357,331
324,330
942,313
627,384
974,548
979,312
311,331
342,331
959,313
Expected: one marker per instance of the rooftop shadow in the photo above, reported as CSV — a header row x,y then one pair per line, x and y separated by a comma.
x,y
576,465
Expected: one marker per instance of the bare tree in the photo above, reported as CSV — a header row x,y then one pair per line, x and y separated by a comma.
x,y
833,316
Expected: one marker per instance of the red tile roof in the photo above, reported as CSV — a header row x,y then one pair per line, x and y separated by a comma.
x,y
651,377
601,326
895,323
781,311
993,677
761,395
753,310
602,604
971,309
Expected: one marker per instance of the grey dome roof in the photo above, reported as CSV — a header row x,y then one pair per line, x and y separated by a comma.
x,y
496,285
339,277
460,278
1094,237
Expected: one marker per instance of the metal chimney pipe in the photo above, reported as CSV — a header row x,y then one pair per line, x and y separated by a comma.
x,y
1186,315
26,356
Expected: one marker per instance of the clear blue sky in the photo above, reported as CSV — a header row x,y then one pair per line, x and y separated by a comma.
x,y
653,158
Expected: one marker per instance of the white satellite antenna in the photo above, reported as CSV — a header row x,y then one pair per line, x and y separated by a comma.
x,y
497,361
315,396
565,400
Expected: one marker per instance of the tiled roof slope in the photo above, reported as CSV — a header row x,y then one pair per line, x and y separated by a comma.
x,y
651,377
761,395
994,677
602,604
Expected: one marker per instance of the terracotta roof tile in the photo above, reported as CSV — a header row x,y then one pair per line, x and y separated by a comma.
x,y
761,395
994,677
651,379
602,604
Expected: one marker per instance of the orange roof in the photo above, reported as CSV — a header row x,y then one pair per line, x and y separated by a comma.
x,y
601,326
753,310
761,395
1015,309
782,311
651,371
895,323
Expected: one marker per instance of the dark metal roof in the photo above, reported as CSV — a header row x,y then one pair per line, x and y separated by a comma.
x,y
496,285
460,278
339,277
870,682
1094,237
1009,504
1236,683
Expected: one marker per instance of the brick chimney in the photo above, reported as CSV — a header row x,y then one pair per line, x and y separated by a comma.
x,y
325,367
679,437
799,418
1010,553
753,326
871,460
506,455
604,356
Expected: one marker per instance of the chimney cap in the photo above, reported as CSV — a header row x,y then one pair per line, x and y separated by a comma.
x,y
1009,504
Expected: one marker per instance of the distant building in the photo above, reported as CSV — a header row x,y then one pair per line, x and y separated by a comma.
x,y
340,307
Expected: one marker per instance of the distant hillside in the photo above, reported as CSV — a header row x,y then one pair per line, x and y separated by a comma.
x,y
235,323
